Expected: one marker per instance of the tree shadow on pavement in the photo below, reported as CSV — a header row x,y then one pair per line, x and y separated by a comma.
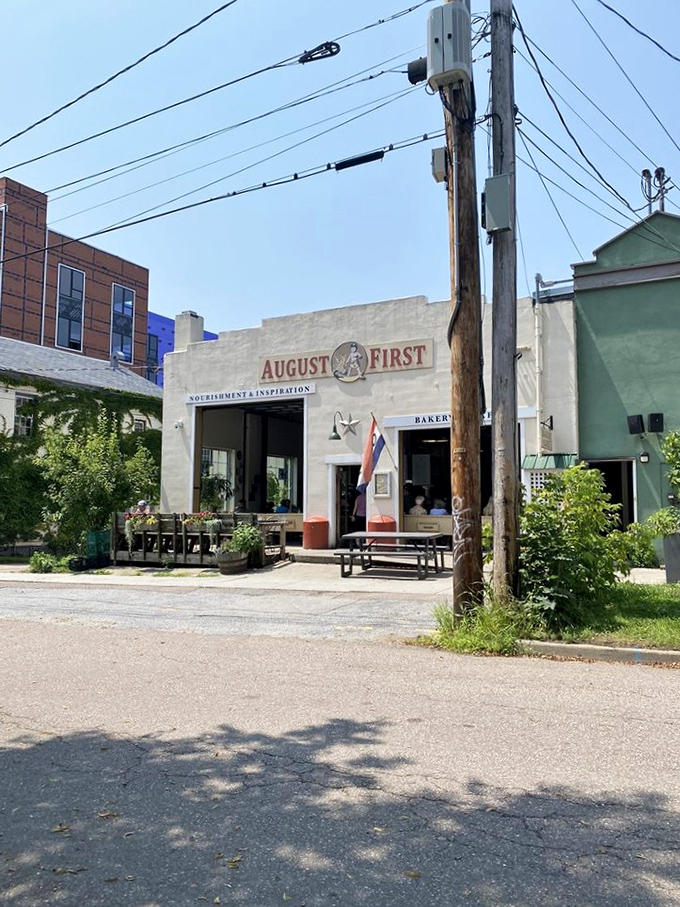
x,y
312,817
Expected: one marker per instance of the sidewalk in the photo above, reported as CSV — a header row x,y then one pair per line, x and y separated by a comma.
x,y
315,574
285,576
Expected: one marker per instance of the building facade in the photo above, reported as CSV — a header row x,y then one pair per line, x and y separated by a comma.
x,y
161,340
71,297
628,350
263,402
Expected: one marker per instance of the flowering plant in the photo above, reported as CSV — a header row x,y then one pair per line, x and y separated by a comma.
x,y
137,522
194,519
204,520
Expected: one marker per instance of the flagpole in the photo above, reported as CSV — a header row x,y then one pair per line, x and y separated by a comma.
x,y
383,436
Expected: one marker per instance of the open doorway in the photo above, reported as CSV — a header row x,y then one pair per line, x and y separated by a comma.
x,y
263,447
346,478
618,482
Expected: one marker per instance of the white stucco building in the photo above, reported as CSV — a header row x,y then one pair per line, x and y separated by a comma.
x,y
262,402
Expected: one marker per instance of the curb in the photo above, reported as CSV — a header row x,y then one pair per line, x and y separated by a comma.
x,y
601,653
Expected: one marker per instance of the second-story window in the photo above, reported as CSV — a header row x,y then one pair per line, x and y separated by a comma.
x,y
152,358
71,297
122,318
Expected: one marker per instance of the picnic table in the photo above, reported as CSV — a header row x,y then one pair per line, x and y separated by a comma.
x,y
379,548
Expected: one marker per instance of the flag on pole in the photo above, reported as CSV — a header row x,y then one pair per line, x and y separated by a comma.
x,y
374,445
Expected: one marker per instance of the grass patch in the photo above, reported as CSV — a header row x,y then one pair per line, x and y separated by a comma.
x,y
487,629
12,559
635,615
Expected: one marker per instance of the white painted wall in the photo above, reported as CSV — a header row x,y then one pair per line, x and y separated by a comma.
x,y
232,363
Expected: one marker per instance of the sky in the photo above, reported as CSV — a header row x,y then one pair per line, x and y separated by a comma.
x,y
374,232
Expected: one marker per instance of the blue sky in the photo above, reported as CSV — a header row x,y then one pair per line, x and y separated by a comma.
x,y
370,233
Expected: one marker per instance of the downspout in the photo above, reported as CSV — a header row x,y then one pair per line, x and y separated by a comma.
x,y
538,357
4,209
44,291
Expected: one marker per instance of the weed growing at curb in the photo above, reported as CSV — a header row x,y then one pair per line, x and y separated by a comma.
x,y
489,628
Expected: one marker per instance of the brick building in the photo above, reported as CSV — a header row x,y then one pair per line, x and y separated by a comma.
x,y
75,297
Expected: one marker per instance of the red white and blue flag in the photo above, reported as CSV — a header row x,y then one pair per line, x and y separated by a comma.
x,y
374,445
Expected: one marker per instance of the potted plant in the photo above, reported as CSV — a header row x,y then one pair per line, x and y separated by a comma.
x,y
244,549
666,522
229,560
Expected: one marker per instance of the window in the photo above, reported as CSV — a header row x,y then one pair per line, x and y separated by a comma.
x,y
139,425
122,317
217,479
281,479
23,424
71,298
152,358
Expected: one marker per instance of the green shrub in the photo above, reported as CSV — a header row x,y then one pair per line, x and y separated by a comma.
x,y
487,542
245,538
664,522
42,562
634,547
568,558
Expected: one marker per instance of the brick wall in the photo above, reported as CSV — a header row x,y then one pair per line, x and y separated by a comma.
x,y
21,302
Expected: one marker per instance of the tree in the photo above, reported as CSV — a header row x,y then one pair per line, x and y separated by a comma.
x,y
88,478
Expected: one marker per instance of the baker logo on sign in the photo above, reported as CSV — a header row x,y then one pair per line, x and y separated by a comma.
x,y
349,361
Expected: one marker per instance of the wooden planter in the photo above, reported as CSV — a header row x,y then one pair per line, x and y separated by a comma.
x,y
231,562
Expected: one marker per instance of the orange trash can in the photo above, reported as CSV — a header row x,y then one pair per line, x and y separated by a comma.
x,y
315,532
380,523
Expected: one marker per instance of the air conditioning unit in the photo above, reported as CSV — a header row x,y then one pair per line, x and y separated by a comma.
x,y
449,45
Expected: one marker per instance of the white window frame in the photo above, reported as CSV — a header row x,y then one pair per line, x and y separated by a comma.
x,y
132,336
82,310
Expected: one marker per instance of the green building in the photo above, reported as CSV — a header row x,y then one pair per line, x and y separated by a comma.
x,y
628,359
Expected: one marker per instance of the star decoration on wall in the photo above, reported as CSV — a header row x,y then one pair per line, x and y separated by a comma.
x,y
349,424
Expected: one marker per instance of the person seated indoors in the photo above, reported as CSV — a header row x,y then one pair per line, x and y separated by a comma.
x,y
284,506
418,509
439,508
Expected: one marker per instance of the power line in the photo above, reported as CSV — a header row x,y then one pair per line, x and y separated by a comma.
x,y
585,122
639,31
589,125
327,90
119,73
552,200
375,104
376,154
573,160
295,59
524,259
145,116
628,78
623,227
635,220
561,117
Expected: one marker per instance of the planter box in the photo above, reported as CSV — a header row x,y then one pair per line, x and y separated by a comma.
x,y
231,562
671,556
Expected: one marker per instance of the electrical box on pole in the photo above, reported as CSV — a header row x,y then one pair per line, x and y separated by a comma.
x,y
496,204
449,49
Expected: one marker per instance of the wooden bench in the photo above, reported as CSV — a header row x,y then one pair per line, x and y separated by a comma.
x,y
348,556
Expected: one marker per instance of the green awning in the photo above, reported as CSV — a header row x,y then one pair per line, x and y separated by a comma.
x,y
549,461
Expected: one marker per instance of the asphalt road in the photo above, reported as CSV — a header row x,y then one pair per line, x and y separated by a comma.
x,y
229,610
146,768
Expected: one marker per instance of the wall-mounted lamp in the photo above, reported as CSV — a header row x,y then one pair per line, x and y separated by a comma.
x,y
644,457
334,435
348,424
179,424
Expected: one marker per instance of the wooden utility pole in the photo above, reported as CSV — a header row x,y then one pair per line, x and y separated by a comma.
x,y
465,339
504,361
